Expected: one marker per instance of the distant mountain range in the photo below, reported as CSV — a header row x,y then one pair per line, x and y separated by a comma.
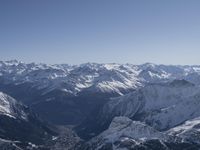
x,y
92,77
99,106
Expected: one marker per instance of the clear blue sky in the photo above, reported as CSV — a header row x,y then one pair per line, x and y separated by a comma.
x,y
103,31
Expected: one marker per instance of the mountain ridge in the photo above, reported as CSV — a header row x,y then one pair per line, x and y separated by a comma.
x,y
96,99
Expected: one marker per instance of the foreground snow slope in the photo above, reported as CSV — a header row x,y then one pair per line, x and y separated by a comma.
x,y
124,129
189,131
125,134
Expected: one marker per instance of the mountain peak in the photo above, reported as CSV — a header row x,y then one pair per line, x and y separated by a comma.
x,y
182,82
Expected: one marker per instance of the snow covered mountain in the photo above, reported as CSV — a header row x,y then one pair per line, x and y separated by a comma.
x,y
111,78
11,108
189,131
162,106
79,91
125,134
71,79
161,101
166,117
18,123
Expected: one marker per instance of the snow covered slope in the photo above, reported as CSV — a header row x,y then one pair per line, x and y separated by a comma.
x,y
122,130
189,131
162,106
125,134
8,145
19,123
10,107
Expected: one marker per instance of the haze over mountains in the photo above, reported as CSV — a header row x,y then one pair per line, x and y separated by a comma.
x,y
99,106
